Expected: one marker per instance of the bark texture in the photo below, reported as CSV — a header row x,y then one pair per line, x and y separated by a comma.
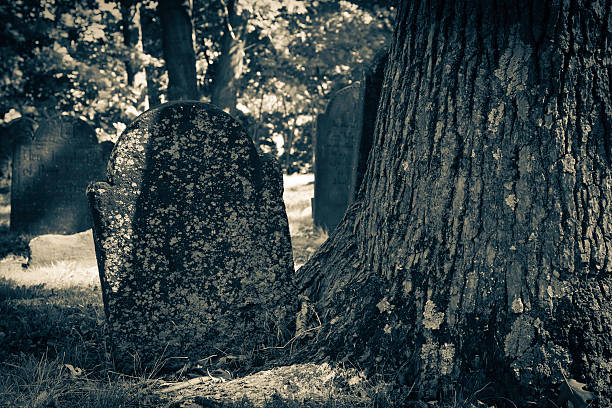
x,y
177,43
481,248
228,70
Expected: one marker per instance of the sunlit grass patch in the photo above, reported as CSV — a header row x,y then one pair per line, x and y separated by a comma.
x,y
60,274
305,238
51,382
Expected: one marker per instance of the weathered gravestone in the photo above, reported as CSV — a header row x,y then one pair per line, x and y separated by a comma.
x,y
371,86
342,145
51,169
192,239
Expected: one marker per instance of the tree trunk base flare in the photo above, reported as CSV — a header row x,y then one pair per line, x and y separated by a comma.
x,y
478,257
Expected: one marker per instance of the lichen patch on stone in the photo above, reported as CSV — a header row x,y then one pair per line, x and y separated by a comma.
x,y
192,238
432,318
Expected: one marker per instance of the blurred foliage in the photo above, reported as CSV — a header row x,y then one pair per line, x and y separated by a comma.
x,y
61,56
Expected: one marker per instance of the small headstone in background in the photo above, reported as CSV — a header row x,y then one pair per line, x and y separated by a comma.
x,y
345,134
338,132
52,248
192,239
50,173
371,84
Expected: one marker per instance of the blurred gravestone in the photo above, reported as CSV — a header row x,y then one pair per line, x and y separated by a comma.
x,y
343,142
192,239
370,94
17,129
51,169
338,131
50,249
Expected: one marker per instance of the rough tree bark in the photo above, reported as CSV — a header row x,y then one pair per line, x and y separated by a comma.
x,y
480,250
229,67
177,43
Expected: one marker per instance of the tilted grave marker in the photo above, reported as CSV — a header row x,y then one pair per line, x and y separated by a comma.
x,y
371,86
192,239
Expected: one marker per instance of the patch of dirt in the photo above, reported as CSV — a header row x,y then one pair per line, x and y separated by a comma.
x,y
300,382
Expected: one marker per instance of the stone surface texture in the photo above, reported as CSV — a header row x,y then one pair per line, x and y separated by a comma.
x,y
192,239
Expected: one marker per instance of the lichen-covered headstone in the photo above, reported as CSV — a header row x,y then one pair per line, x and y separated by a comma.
x,y
51,169
192,239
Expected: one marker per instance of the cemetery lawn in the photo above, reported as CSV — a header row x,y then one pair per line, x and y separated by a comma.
x,y
54,352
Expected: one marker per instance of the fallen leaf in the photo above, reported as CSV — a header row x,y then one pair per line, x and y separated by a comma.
x,y
74,371
572,392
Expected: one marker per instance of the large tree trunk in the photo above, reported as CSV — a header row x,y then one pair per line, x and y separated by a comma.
x,y
480,251
177,42
229,67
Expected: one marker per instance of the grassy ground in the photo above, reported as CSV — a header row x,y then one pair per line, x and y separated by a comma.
x,y
54,352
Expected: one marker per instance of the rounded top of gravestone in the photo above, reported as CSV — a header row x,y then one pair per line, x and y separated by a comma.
x,y
19,129
177,137
65,129
351,90
344,100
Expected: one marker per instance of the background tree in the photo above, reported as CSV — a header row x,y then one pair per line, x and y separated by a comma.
x,y
87,60
229,65
59,56
478,255
296,61
177,42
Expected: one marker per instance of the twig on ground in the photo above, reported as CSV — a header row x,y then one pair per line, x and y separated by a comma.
x,y
188,383
291,341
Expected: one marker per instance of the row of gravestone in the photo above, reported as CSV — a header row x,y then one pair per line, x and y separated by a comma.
x,y
343,142
190,230
52,166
